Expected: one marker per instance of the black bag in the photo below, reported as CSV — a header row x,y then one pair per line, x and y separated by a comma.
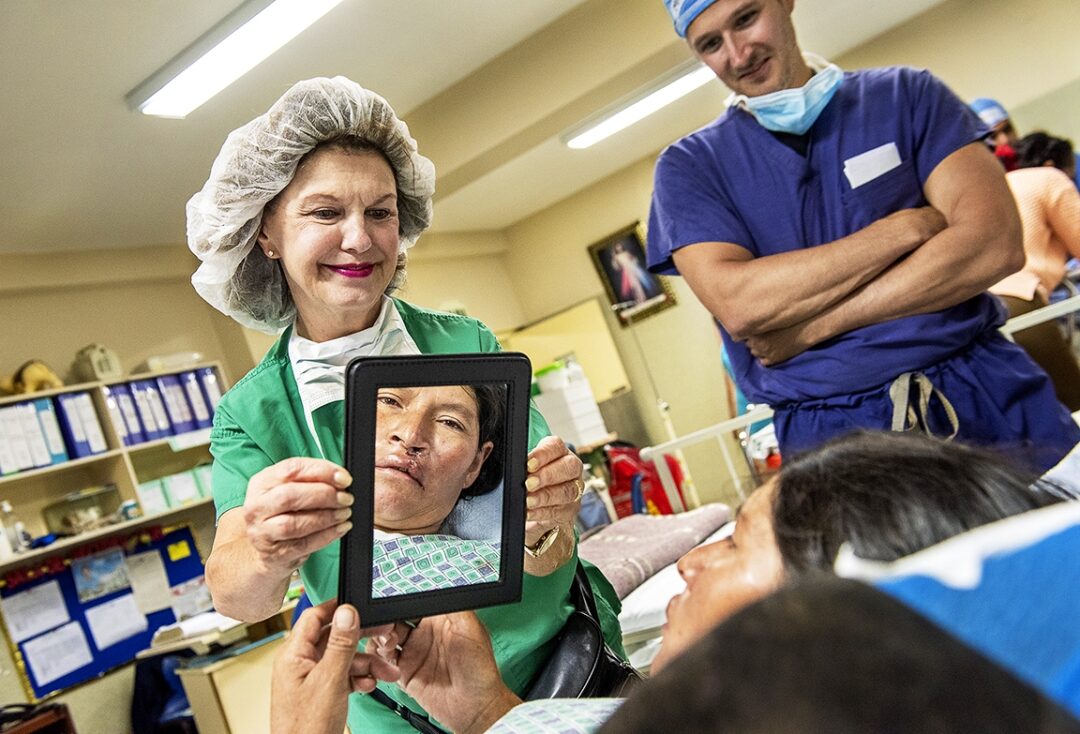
x,y
581,664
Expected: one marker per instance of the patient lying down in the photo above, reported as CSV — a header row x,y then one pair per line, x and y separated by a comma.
x,y
885,495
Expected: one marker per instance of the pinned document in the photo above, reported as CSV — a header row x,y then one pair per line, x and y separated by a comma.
x,y
115,620
31,612
149,581
57,653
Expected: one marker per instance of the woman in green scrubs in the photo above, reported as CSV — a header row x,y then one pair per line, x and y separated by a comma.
x,y
302,230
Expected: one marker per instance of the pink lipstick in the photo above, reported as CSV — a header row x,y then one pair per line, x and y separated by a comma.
x,y
357,270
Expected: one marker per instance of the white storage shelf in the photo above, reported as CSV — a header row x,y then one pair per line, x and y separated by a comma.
x,y
38,555
30,490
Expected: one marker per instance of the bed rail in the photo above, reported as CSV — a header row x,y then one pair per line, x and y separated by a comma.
x,y
720,431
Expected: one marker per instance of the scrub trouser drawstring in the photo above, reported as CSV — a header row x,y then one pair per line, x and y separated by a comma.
x,y
910,407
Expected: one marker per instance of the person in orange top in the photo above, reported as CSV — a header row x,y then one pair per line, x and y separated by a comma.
x,y
1049,207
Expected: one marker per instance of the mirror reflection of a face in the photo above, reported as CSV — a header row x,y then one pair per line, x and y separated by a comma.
x,y
437,481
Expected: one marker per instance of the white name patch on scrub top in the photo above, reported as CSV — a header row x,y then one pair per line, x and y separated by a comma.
x,y
867,166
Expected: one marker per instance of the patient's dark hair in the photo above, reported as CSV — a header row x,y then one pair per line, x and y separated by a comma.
x,y
890,494
1038,148
491,413
835,655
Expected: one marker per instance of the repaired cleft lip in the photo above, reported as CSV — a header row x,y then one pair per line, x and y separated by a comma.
x,y
405,465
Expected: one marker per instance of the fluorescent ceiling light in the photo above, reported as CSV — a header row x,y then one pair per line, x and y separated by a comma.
x,y
640,107
225,53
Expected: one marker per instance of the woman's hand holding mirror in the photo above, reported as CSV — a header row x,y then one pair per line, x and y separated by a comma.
x,y
554,493
295,507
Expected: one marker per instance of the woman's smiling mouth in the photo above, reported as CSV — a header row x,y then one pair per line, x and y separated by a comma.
x,y
356,270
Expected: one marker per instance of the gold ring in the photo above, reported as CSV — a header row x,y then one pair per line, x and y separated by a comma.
x,y
580,485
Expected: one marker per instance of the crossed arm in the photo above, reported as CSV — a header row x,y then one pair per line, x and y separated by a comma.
x,y
913,261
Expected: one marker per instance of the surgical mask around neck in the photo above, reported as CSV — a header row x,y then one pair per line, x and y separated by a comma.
x,y
794,111
319,367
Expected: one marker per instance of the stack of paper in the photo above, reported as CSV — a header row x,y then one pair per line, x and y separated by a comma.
x,y
200,624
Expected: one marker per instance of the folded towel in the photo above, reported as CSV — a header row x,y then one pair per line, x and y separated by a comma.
x,y
634,548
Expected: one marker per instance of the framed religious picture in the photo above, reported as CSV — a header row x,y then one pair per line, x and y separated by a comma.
x,y
633,292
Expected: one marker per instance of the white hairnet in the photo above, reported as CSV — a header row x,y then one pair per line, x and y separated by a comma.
x,y
258,160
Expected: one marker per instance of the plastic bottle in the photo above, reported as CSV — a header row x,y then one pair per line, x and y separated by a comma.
x,y
6,550
13,528
26,540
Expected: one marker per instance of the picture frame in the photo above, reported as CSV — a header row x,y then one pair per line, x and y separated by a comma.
x,y
632,291
371,559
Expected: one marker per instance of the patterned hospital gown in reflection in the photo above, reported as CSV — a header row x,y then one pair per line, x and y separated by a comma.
x,y
413,563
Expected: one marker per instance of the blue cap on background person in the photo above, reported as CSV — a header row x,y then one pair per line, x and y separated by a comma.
x,y
683,12
989,111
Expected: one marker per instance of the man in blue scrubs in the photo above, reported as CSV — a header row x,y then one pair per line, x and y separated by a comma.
x,y
842,227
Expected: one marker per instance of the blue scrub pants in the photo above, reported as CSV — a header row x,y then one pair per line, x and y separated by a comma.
x,y
1003,400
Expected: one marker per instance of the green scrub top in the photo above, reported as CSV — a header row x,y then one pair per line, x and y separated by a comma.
x,y
261,421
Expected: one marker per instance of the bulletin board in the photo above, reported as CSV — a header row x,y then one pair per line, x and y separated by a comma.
x,y
76,618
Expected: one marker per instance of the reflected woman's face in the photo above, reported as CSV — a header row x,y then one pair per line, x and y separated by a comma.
x,y
335,230
427,450
723,577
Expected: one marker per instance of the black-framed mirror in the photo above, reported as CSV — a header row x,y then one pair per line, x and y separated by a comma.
x,y
436,446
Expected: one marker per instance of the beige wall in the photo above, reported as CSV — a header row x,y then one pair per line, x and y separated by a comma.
x,y
139,303
1057,113
1012,50
549,262
481,284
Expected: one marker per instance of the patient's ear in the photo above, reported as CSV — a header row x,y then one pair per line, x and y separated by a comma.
x,y
482,454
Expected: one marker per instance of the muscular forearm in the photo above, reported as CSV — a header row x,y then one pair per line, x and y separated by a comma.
x,y
759,295
242,587
947,270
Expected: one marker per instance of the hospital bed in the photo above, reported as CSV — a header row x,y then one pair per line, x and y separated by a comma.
x,y
644,608
638,555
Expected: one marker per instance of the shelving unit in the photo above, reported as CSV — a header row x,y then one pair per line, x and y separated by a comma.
x,y
126,467
172,517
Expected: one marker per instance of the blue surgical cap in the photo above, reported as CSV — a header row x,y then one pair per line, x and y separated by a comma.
x,y
683,12
989,111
